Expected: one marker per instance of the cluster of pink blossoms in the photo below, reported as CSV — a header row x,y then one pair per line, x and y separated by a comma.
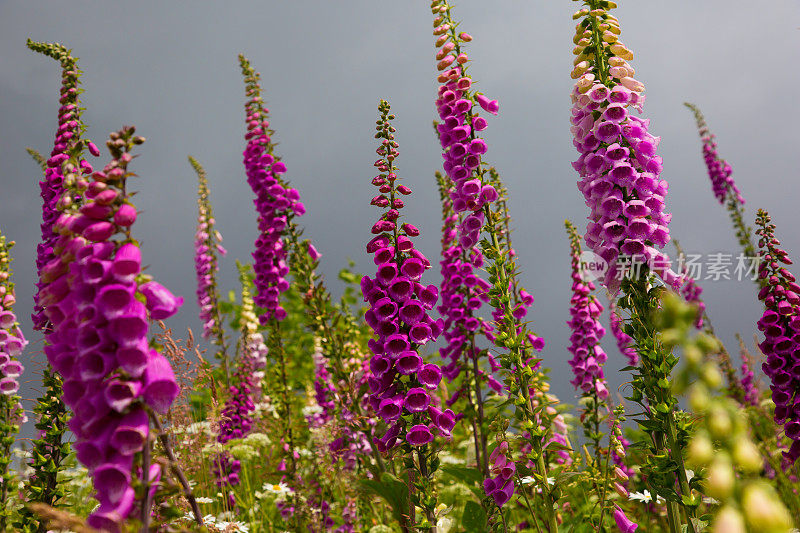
x,y
400,382
500,487
98,341
719,171
275,202
624,341
463,293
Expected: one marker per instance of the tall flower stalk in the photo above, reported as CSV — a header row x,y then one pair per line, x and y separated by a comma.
x,y
620,181
721,449
277,205
401,384
207,244
464,193
722,184
66,161
12,416
526,384
275,202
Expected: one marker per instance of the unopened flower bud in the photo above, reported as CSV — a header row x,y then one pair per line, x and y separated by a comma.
x,y
711,376
698,398
719,423
747,456
728,520
700,451
763,511
720,477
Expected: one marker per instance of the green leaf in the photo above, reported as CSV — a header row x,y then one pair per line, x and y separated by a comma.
x,y
390,489
470,476
473,519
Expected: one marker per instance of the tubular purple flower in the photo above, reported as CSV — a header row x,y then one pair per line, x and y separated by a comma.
x,y
624,524
161,303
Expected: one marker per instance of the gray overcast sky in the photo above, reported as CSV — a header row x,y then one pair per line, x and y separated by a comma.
x,y
170,68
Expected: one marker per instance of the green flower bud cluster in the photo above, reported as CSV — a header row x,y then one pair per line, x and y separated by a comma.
x,y
728,463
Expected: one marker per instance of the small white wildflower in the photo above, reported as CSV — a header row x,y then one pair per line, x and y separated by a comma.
x,y
302,452
199,427
259,440
203,499
243,451
527,480
280,488
644,497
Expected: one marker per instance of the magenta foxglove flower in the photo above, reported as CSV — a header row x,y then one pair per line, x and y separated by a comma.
x,y
207,244
624,524
236,418
275,202
12,342
462,149
620,171
719,171
500,485
751,392
161,303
